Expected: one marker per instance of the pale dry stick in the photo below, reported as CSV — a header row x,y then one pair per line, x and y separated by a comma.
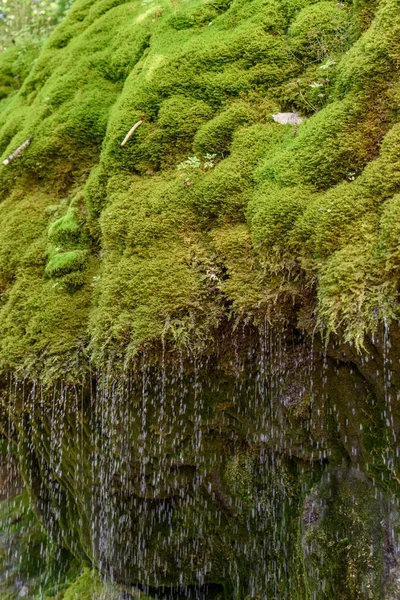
x,y
131,132
18,151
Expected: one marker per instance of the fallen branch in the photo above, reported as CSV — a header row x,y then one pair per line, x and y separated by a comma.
x,y
131,132
18,151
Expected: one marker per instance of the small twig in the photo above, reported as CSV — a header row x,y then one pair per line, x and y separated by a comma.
x,y
130,132
18,151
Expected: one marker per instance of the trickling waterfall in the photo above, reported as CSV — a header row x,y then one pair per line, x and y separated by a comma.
x,y
266,468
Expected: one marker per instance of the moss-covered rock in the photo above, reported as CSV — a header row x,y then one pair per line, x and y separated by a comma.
x,y
187,309
204,81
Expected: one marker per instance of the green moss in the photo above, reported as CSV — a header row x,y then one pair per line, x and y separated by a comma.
x,y
109,250
273,214
28,555
390,232
180,117
23,222
320,30
43,324
367,65
62,263
364,13
187,17
216,135
204,79
326,150
65,231
244,286
86,587
350,294
239,478
331,220
152,293
96,195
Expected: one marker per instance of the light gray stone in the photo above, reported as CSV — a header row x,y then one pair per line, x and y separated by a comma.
x,y
291,118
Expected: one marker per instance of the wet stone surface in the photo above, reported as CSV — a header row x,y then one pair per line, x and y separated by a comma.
x,y
266,470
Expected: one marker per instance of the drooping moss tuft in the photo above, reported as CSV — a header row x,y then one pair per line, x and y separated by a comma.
x,y
62,263
66,230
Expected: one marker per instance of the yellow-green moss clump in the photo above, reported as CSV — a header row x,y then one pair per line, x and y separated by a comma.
x,y
211,210
88,586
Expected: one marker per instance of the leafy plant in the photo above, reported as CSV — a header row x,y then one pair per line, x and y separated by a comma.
x,y
195,163
191,163
209,161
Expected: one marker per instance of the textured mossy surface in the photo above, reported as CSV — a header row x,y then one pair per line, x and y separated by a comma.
x,y
211,211
212,221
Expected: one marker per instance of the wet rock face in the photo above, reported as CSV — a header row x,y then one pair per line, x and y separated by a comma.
x,y
10,480
349,531
265,468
